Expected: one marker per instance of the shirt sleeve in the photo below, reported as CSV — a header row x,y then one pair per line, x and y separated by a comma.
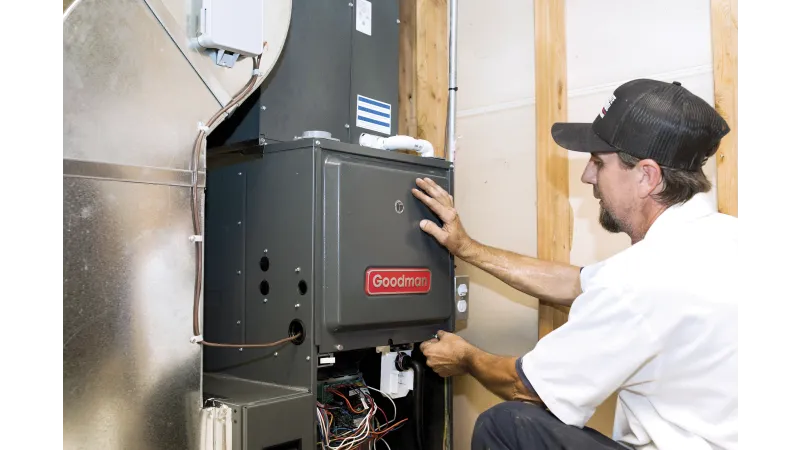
x,y
576,367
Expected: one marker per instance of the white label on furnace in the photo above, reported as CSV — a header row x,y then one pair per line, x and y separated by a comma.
x,y
364,17
373,115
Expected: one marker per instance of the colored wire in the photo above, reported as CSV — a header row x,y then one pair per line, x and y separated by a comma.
x,y
334,436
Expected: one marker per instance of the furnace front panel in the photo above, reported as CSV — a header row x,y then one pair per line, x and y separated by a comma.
x,y
330,237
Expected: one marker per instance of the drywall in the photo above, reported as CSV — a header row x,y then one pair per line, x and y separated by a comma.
x,y
607,43
495,183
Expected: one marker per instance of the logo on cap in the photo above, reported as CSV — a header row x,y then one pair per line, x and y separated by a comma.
x,y
607,106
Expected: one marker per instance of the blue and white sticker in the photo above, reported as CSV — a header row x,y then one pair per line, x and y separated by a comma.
x,y
373,115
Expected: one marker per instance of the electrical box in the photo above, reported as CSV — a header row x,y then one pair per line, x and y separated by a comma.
x,y
322,237
233,28
339,75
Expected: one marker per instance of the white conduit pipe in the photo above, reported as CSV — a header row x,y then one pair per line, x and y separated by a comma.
x,y
453,87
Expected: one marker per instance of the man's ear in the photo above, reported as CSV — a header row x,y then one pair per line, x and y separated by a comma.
x,y
651,177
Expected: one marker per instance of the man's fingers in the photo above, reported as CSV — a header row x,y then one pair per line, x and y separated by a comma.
x,y
437,207
438,191
444,212
430,228
425,185
435,191
424,345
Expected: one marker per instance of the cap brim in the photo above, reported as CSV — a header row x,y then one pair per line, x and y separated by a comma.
x,y
579,137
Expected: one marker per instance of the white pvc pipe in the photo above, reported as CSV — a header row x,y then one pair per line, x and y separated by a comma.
x,y
421,146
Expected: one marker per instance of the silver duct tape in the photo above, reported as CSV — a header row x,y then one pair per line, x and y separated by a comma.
x,y
133,174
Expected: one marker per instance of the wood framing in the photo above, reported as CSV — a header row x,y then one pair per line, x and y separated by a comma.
x,y
553,213
423,71
725,43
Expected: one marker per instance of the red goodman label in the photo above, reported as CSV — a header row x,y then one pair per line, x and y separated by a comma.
x,y
397,281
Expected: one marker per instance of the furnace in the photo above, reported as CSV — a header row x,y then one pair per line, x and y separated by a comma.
x,y
321,238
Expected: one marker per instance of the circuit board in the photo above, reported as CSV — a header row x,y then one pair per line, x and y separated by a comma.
x,y
343,384
347,397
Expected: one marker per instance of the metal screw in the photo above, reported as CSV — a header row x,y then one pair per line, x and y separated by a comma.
x,y
308,358
241,349
238,322
297,270
263,108
339,347
276,354
721,156
238,272
262,141
296,305
265,250
398,20
350,5
265,300
240,173
316,142
347,125
239,222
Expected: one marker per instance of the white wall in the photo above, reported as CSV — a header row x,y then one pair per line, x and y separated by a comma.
x,y
607,43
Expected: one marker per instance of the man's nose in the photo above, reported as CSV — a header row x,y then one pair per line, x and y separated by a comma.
x,y
588,176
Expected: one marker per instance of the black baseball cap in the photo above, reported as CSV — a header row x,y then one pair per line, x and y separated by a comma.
x,y
650,119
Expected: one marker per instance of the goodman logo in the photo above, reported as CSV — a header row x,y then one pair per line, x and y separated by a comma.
x,y
397,281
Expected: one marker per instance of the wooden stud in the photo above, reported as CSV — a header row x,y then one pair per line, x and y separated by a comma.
x,y
423,71
407,121
553,215
725,43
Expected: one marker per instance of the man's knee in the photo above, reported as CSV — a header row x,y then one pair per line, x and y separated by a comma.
x,y
513,411
499,426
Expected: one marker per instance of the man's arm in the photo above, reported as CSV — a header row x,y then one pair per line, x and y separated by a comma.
x,y
548,281
451,355
499,375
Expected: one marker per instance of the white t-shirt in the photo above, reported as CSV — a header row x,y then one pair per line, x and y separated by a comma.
x,y
656,323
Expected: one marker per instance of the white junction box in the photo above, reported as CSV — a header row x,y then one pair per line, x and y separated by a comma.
x,y
395,383
233,28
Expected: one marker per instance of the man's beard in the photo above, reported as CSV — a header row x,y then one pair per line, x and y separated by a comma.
x,y
609,222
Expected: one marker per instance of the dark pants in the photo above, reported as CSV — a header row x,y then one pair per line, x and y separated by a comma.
x,y
525,426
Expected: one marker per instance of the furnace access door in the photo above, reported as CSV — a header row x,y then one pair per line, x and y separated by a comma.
x,y
383,278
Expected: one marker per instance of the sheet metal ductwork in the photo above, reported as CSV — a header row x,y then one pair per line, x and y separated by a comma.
x,y
136,87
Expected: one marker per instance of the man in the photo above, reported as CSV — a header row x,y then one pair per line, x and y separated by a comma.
x,y
656,323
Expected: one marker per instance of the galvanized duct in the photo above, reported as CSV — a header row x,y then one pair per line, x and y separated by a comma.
x,y
135,89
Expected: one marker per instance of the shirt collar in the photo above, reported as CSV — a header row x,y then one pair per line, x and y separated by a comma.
x,y
700,205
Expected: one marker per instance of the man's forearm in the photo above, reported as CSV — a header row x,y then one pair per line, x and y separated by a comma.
x,y
545,280
498,374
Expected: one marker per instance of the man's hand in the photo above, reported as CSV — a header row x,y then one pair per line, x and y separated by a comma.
x,y
452,235
448,355
451,355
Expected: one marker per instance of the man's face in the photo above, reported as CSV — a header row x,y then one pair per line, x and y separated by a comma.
x,y
614,186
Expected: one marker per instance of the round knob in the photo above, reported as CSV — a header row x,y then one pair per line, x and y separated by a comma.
x,y
461,305
462,290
